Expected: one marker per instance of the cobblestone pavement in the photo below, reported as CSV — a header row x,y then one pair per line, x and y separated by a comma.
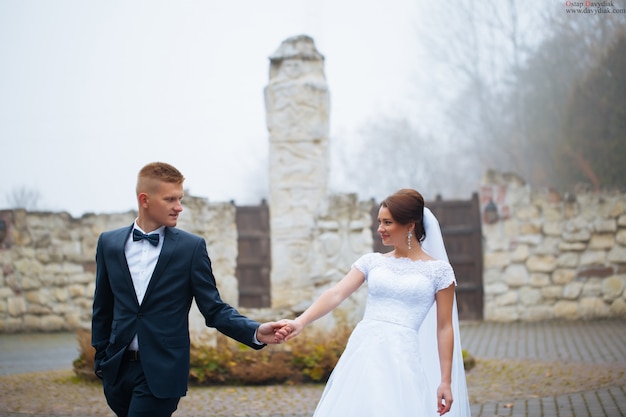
x,y
597,342
594,342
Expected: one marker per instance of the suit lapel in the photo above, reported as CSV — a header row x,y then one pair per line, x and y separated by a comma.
x,y
169,245
121,254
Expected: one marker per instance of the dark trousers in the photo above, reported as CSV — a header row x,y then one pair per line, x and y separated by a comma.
x,y
130,396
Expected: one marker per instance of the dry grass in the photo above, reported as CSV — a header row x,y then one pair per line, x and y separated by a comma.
x,y
498,380
62,393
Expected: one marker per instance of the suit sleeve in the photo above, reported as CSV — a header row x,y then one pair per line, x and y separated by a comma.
x,y
216,312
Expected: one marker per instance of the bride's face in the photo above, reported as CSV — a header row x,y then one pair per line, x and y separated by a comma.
x,y
391,232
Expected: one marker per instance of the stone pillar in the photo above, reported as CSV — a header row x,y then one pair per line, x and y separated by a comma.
x,y
297,105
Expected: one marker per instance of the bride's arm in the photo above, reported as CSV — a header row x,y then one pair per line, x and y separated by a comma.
x,y
445,342
326,302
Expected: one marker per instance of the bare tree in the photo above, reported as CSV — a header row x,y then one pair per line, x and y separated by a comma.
x,y
475,50
393,154
592,146
513,68
501,73
23,197
567,53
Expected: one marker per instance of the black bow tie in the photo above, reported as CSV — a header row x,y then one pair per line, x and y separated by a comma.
x,y
153,238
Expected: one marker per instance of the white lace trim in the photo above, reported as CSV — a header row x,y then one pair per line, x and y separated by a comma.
x,y
440,272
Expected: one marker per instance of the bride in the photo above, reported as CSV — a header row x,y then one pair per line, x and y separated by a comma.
x,y
404,357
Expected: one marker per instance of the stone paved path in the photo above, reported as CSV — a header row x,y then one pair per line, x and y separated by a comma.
x,y
601,342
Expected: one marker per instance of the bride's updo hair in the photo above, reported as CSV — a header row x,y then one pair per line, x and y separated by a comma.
x,y
407,206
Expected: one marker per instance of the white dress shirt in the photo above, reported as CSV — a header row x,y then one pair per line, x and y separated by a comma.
x,y
142,258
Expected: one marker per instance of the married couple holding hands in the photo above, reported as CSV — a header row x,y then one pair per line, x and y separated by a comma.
x,y
402,359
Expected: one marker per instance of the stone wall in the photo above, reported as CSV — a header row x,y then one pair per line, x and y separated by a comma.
x,y
47,261
546,256
551,256
47,278
48,269
341,234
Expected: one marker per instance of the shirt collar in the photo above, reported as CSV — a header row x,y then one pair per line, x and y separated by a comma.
x,y
160,231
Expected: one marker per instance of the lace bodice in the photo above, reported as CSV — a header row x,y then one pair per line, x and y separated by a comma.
x,y
400,290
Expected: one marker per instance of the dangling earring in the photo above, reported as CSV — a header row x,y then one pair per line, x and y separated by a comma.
x,y
408,238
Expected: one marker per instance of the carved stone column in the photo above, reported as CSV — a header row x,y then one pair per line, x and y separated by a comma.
x,y
297,106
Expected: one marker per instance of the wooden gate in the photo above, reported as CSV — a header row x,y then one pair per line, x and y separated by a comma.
x,y
462,234
254,258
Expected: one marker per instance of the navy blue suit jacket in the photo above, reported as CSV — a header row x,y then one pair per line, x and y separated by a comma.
x,y
183,271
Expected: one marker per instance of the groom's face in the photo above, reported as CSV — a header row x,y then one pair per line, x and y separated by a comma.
x,y
163,205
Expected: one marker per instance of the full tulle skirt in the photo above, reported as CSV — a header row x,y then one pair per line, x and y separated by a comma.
x,y
379,374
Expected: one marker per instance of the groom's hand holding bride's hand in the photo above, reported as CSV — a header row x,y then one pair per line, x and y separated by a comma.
x,y
289,329
271,333
277,332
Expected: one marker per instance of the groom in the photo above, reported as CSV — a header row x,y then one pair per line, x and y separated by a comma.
x,y
147,275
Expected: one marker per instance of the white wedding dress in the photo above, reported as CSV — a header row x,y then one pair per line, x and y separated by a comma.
x,y
387,369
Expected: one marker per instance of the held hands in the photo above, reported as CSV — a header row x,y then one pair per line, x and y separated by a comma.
x,y
276,332
269,333
290,328
444,398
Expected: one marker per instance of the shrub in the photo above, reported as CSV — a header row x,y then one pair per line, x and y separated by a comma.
x,y
307,358
468,360
83,365
315,356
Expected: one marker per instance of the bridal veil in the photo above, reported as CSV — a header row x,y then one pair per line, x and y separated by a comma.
x,y
434,246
